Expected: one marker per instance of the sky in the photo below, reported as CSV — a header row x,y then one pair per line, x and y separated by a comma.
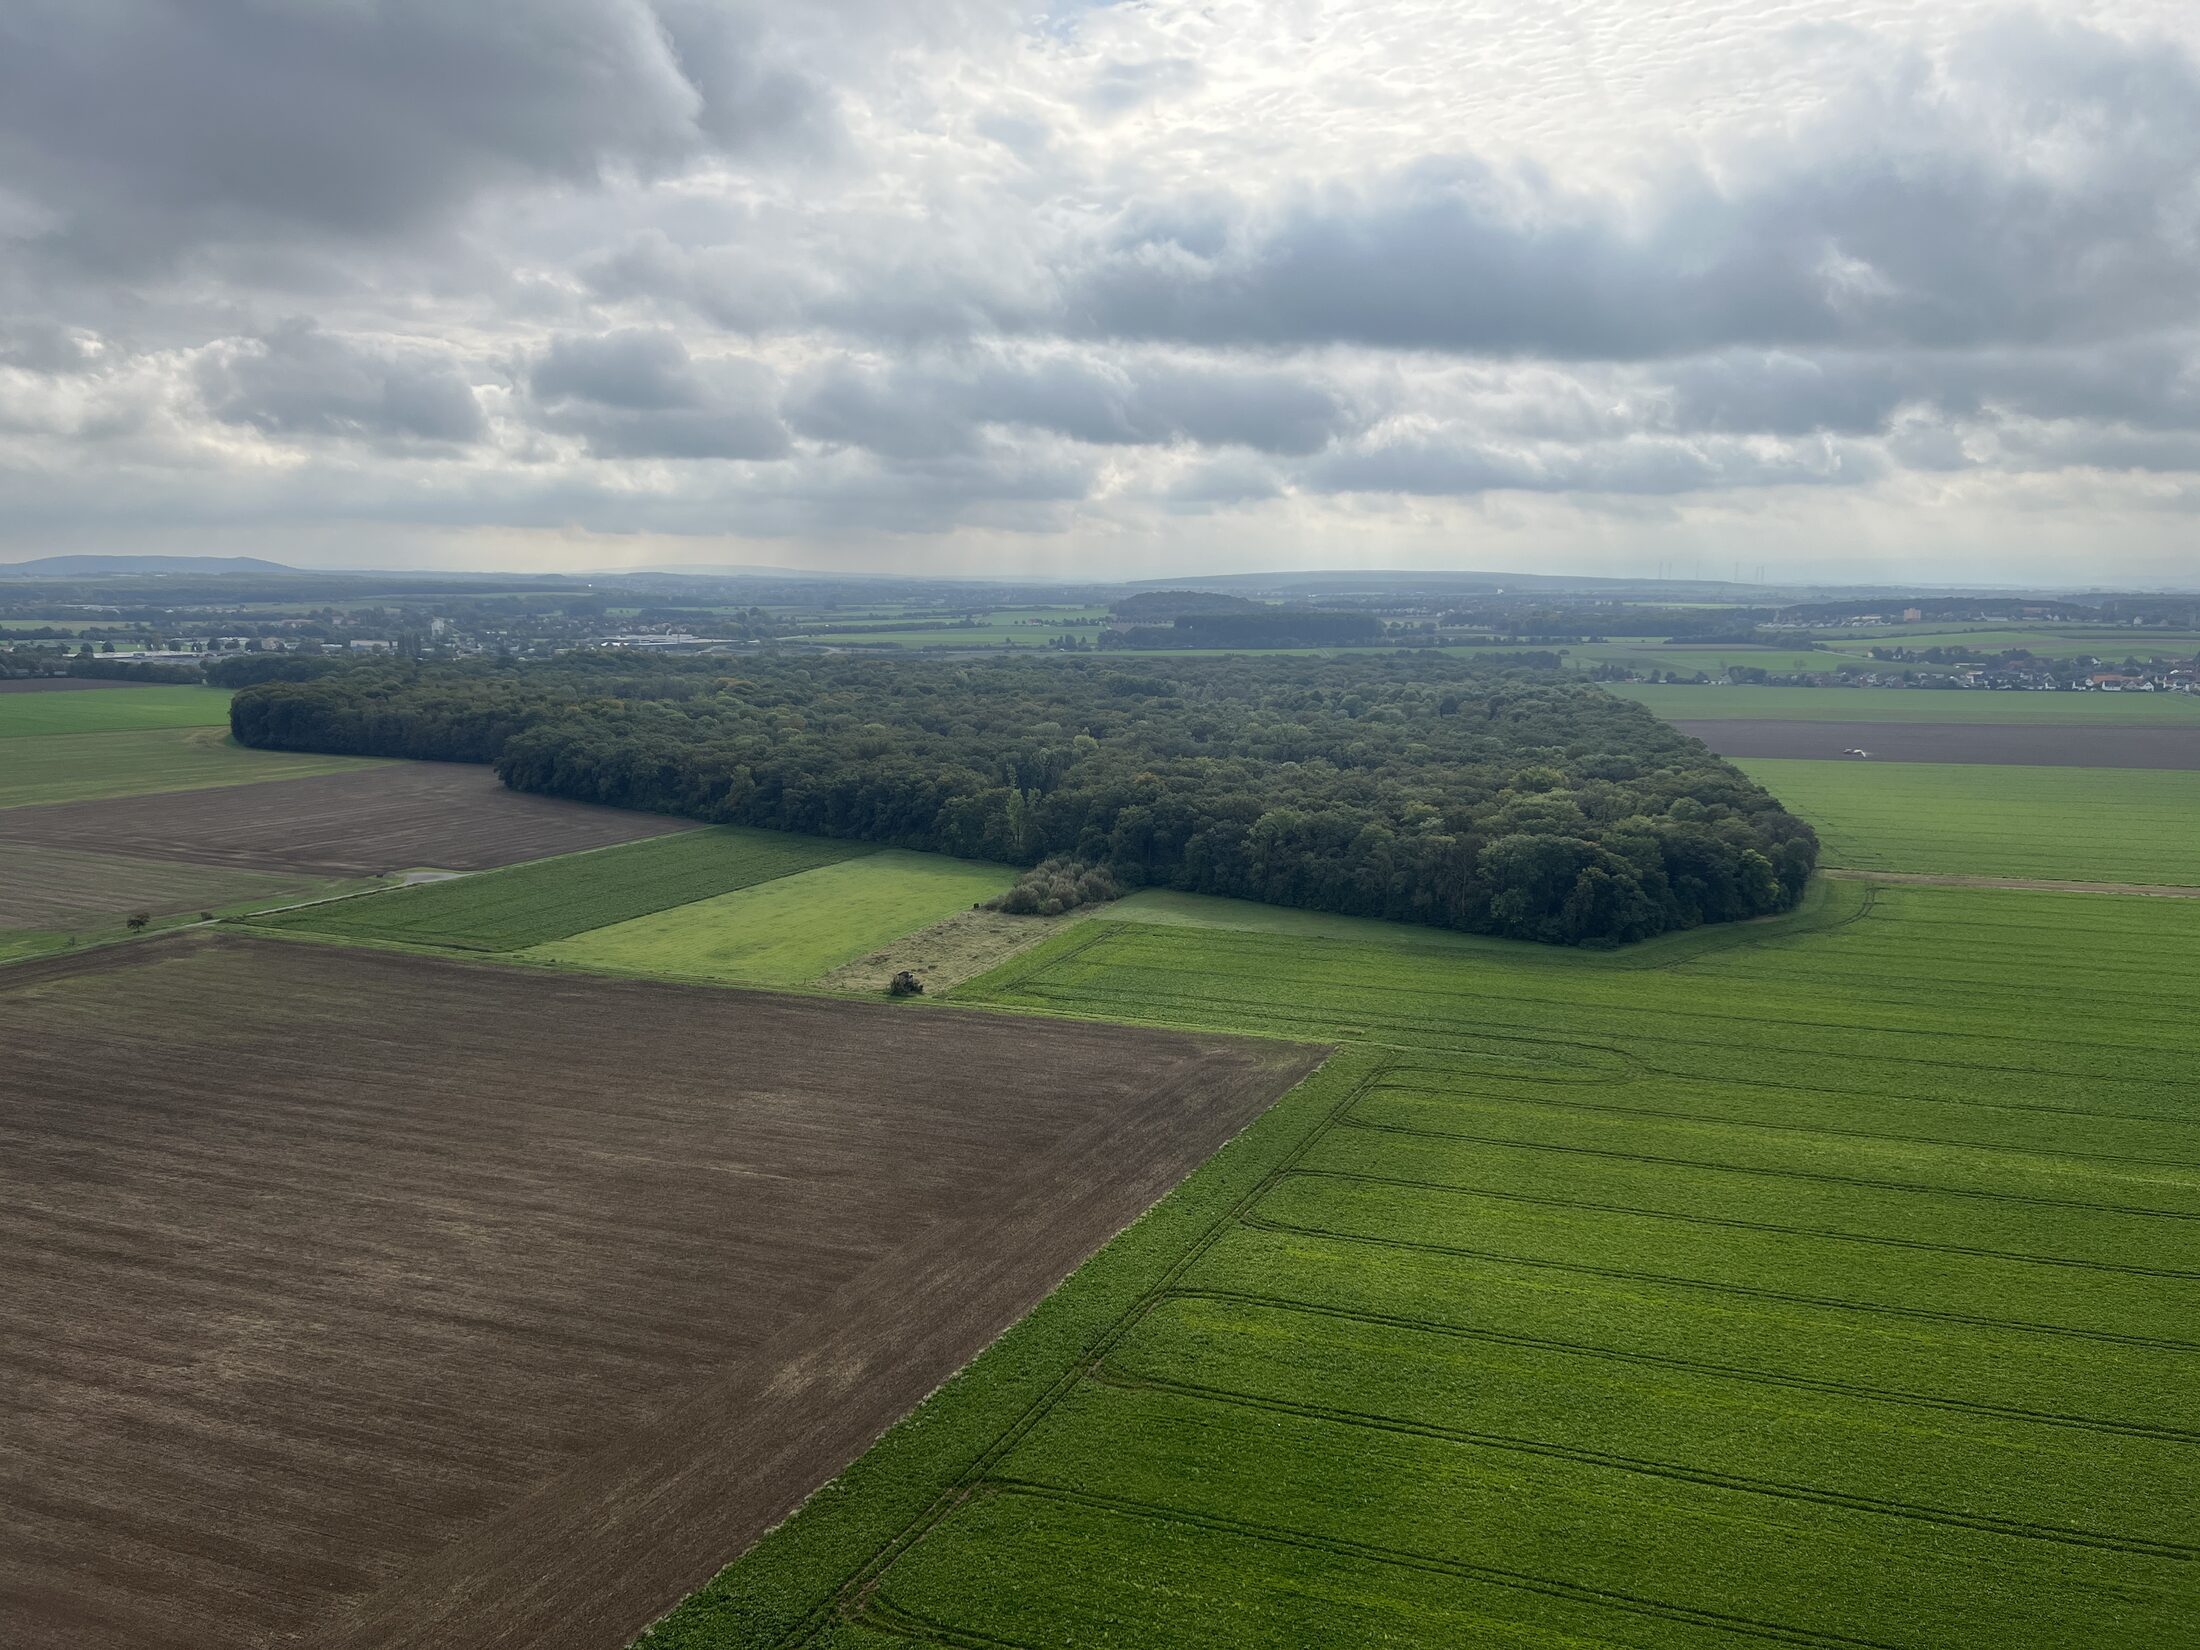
x,y
1866,290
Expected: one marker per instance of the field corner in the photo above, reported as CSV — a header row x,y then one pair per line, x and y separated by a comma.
x,y
787,1587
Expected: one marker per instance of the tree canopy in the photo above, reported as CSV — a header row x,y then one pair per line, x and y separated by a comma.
x,y
1414,787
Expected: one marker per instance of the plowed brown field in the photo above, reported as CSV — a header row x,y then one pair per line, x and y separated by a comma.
x,y
361,1299
450,815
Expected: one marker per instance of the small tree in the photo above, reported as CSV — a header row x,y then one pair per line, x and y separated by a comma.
x,y
137,921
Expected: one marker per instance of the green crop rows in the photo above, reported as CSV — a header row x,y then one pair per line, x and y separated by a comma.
x,y
549,899
1976,819
1830,1282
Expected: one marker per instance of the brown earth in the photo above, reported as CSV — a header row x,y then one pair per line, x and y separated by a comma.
x,y
360,1299
2072,745
449,815
61,684
56,887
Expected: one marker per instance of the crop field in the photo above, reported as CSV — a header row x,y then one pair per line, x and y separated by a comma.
x,y
61,888
549,899
387,816
1941,707
2084,824
2060,745
2071,642
1711,661
793,929
75,767
132,709
1833,1281
370,1299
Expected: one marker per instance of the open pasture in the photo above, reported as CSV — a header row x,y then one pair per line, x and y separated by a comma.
x,y
388,816
2060,745
150,706
549,899
1943,707
369,1299
1967,819
790,930
76,767
1832,1281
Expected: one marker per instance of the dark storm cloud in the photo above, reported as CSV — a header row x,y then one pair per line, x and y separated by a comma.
x,y
141,127
638,394
2045,195
298,382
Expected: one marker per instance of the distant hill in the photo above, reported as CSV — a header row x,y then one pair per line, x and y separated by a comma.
x,y
81,567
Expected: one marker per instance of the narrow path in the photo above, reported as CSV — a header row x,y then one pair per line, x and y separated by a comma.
x,y
2037,884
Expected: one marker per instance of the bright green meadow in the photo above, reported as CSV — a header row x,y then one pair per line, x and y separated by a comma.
x,y
1979,819
550,899
1832,1280
113,710
791,930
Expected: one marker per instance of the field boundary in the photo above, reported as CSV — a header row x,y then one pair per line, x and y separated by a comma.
x,y
829,1554
2036,885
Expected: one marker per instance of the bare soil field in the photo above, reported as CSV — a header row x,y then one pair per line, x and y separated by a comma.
x,y
60,684
44,887
2064,746
363,1299
448,815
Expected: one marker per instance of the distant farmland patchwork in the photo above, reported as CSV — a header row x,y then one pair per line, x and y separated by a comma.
x,y
1944,706
1834,1285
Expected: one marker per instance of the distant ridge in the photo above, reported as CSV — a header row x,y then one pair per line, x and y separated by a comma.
x,y
46,567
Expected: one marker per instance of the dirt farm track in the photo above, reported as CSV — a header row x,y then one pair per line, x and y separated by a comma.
x,y
450,815
2066,745
357,1299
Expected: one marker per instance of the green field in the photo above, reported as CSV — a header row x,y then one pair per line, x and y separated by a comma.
x,y
113,710
77,767
1805,704
550,899
1829,1281
2073,642
1710,661
789,931
1977,819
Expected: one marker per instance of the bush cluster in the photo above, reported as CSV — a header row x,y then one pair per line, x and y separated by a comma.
x,y
1057,885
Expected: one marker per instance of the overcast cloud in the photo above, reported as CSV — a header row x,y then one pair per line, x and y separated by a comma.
x,y
1858,290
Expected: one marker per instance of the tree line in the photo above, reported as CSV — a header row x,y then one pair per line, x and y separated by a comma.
x,y
1411,786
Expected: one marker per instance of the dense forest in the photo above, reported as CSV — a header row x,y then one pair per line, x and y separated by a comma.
x,y
1415,787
